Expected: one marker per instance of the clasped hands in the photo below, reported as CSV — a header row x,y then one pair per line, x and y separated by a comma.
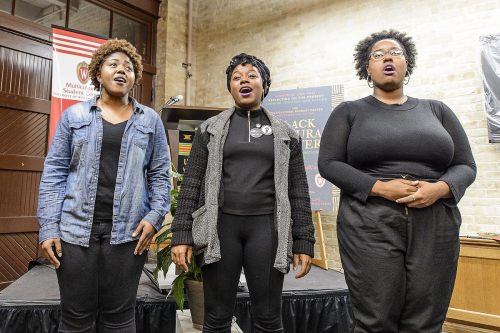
x,y
412,193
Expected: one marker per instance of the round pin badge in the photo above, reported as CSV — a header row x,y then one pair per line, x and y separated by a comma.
x,y
267,130
256,132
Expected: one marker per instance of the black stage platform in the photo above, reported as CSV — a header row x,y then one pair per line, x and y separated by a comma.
x,y
316,303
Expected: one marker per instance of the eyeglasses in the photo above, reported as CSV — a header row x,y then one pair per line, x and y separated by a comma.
x,y
381,54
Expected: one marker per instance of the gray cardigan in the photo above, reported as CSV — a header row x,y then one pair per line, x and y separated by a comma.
x,y
195,222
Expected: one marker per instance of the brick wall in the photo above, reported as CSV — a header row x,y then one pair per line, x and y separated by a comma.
x,y
171,51
310,43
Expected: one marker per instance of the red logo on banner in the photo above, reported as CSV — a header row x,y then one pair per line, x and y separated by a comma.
x,y
82,72
320,181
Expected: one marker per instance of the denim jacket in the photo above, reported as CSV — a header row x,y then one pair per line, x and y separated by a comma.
x,y
71,171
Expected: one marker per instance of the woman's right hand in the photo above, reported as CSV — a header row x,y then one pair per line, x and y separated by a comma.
x,y
48,246
394,189
181,256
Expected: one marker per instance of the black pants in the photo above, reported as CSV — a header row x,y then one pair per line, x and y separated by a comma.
x,y
249,242
400,263
99,282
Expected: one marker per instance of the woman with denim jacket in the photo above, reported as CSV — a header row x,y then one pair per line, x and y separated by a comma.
x,y
245,203
103,194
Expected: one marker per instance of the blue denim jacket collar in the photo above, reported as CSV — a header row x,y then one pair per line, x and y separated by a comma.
x,y
135,105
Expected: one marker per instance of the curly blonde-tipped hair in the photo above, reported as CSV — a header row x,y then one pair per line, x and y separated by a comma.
x,y
112,46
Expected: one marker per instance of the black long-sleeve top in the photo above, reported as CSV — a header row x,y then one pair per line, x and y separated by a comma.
x,y
366,139
248,166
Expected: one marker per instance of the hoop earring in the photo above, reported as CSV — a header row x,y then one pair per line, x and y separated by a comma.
x,y
100,90
407,79
369,80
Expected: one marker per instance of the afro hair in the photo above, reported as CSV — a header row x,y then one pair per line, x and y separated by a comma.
x,y
112,46
363,50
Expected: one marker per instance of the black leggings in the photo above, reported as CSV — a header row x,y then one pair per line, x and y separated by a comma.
x,y
249,242
99,281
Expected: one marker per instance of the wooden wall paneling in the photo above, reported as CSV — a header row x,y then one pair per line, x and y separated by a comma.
x,y
476,296
16,250
15,201
22,132
449,327
25,76
26,28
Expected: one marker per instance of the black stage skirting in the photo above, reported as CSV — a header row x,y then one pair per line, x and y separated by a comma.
x,y
318,302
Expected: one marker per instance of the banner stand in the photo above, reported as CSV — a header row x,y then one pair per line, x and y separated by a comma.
x,y
322,261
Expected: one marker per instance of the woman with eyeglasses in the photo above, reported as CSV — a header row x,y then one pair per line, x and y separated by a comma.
x,y
402,165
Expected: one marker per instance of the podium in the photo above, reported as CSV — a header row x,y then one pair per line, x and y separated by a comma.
x,y
175,115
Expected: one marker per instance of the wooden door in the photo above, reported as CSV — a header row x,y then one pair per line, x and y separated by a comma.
x,y
25,89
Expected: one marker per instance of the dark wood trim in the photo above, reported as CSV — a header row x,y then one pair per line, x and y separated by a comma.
x,y
21,162
152,38
111,17
135,14
66,19
24,103
18,224
149,68
20,26
29,45
124,8
171,114
152,7
477,241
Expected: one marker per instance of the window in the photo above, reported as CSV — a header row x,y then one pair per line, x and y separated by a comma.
x,y
97,17
6,6
44,12
87,17
135,32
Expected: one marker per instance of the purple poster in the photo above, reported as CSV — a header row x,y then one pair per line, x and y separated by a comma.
x,y
307,111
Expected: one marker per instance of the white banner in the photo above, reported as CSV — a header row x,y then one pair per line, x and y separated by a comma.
x,y
72,52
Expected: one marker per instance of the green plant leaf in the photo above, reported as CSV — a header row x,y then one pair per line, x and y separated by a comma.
x,y
163,261
163,236
196,270
174,196
178,289
165,264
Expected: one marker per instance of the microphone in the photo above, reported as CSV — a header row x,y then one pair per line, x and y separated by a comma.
x,y
174,99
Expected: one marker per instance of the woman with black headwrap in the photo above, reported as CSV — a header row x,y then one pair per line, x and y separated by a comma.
x,y
402,165
244,184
